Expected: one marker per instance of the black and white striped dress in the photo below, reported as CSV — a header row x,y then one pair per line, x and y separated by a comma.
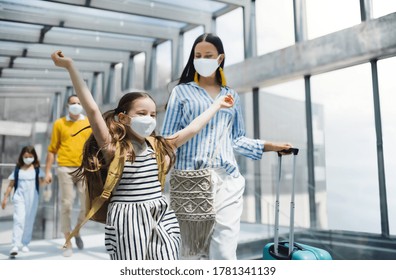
x,y
140,225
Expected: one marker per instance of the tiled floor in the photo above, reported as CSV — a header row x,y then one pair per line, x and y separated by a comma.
x,y
51,250
94,249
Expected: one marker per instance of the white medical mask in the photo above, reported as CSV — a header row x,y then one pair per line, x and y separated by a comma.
x,y
206,66
75,109
143,125
28,160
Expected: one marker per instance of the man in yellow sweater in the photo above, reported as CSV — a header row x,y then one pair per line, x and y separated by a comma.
x,y
68,149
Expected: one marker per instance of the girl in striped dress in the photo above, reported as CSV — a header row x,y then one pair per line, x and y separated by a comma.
x,y
140,225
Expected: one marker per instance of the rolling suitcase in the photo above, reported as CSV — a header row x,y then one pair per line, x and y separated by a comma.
x,y
282,250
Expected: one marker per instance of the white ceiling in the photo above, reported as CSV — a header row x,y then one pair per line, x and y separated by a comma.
x,y
99,33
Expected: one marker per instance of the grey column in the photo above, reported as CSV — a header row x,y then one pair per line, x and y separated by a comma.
x,y
130,73
110,92
310,154
249,28
366,11
257,165
300,21
380,152
151,68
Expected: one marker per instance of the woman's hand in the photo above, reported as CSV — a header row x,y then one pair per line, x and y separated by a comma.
x,y
225,102
4,203
60,60
277,147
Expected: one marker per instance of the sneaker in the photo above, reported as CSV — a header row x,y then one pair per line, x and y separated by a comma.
x,y
68,251
14,251
25,249
79,242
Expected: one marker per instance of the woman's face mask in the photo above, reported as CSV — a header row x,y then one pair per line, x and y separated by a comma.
x,y
75,109
206,66
28,160
143,125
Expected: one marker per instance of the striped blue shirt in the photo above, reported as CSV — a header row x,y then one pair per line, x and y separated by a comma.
x,y
215,144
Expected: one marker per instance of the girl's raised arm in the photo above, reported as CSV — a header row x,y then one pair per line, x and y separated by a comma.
x,y
182,136
94,115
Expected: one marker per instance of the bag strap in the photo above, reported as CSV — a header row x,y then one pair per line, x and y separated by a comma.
x,y
161,161
113,176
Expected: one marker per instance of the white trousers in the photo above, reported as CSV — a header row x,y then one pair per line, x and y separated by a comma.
x,y
25,202
228,206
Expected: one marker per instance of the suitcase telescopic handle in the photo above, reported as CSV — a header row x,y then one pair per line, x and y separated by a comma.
x,y
293,151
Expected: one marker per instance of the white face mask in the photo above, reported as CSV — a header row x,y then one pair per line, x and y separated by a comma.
x,y
143,125
28,160
206,66
75,109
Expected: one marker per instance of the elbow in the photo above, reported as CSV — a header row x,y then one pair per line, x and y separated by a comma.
x,y
91,109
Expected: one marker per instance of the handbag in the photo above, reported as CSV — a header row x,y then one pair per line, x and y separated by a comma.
x,y
192,197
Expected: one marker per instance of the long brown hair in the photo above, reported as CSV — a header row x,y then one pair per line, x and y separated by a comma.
x,y
94,165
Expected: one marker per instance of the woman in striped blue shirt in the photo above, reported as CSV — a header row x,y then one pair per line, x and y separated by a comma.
x,y
201,83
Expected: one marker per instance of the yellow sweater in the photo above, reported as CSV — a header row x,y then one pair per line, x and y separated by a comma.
x,y
67,147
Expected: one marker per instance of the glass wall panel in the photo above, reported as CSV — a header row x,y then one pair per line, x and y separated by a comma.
x,y
164,63
188,40
327,16
383,7
139,70
274,24
229,28
281,118
387,89
349,147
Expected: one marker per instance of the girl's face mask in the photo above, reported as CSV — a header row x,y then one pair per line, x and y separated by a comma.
x,y
28,160
143,125
206,66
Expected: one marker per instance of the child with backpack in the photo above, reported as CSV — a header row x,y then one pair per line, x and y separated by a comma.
x,y
25,180
140,225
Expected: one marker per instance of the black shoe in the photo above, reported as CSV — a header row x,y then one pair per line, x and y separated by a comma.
x,y
79,242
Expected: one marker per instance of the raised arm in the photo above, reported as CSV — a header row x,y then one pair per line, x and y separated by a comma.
x,y
94,115
182,136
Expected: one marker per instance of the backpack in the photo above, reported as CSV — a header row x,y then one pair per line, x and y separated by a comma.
x,y
97,198
16,178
